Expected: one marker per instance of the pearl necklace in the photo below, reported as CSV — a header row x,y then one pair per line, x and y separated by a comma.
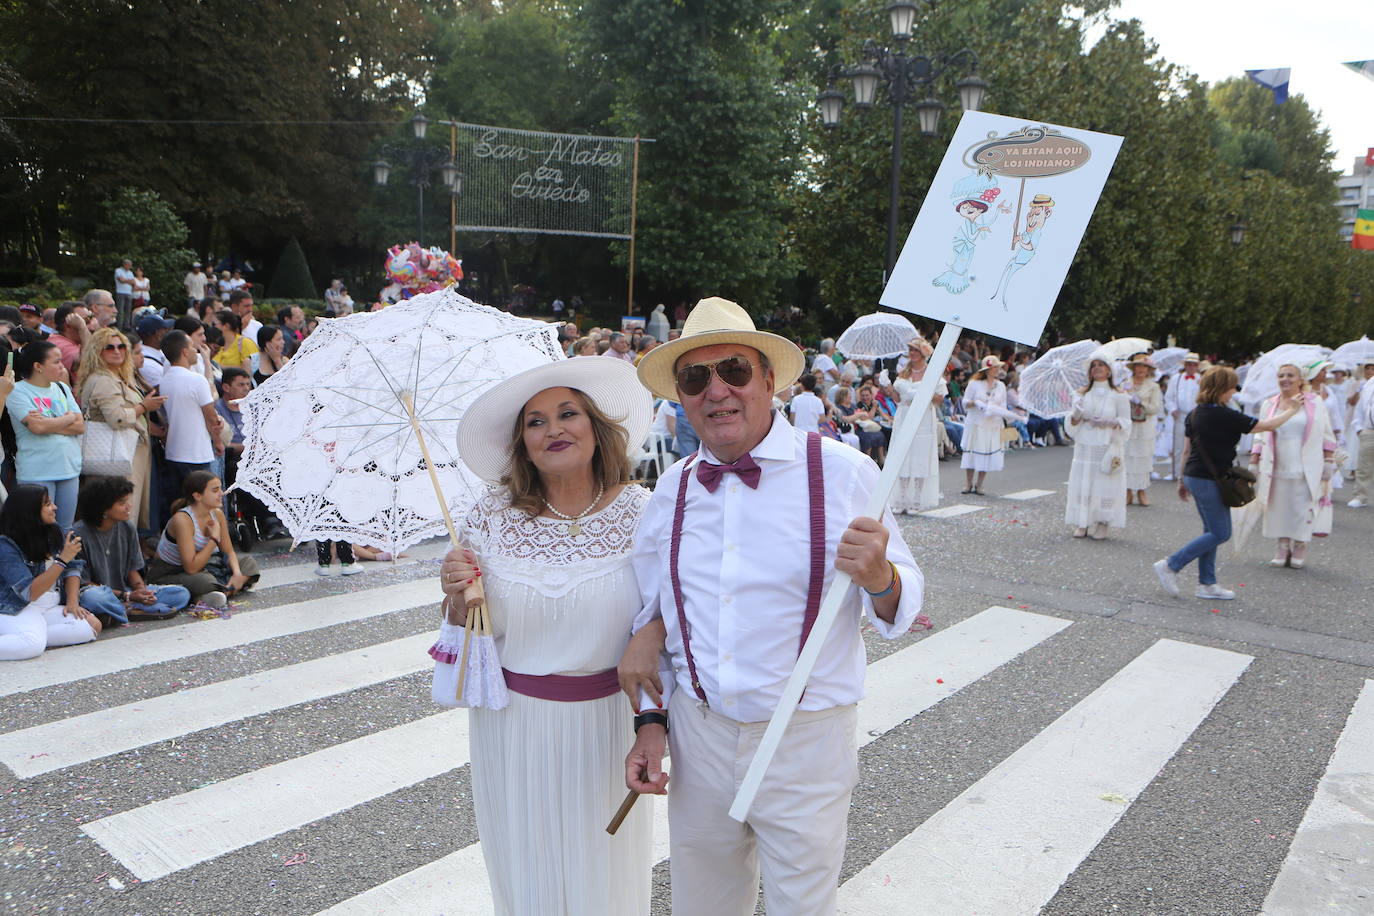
x,y
575,528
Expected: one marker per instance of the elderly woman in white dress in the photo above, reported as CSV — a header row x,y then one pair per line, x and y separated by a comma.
x,y
1294,464
918,480
1147,403
1097,478
985,407
551,543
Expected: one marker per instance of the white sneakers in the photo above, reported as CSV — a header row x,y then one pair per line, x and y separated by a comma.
x,y
1357,503
1215,592
343,569
214,599
1168,579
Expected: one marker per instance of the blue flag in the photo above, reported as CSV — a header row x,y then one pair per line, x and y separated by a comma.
x,y
1275,80
1364,67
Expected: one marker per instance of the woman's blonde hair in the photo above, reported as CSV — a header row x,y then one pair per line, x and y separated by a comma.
x,y
610,463
1215,382
92,360
1303,384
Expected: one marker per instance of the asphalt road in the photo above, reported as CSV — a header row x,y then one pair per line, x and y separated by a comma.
x,y
1096,747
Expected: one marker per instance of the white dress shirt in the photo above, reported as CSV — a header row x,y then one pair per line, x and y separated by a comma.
x,y
744,564
1182,394
1363,415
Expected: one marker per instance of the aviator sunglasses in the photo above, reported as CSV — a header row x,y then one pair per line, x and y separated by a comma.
x,y
735,371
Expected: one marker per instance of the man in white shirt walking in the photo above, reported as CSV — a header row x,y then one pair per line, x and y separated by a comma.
x,y
194,281
193,426
1180,400
124,292
1362,432
732,556
807,409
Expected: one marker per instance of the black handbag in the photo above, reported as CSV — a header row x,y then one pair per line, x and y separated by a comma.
x,y
1237,484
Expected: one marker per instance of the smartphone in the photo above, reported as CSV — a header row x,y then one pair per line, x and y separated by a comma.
x,y
9,361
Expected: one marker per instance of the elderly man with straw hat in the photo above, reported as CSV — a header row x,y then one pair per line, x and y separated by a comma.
x,y
732,555
1179,401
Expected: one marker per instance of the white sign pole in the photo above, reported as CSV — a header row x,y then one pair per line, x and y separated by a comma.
x,y
897,450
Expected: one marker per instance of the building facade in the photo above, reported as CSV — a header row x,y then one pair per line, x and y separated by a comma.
x,y
1354,192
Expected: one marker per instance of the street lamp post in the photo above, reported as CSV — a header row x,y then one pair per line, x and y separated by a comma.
x,y
423,158
905,75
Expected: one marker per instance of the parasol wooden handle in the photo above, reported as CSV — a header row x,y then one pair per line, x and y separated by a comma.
x,y
473,595
622,812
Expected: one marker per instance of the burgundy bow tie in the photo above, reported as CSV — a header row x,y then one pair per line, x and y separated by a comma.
x,y
1190,376
748,470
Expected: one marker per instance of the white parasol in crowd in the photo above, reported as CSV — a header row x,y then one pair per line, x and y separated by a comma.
x,y
877,335
1168,360
1262,381
1048,384
355,438
1354,354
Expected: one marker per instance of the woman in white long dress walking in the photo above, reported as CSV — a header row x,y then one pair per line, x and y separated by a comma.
x,y
553,542
985,407
1293,464
918,481
1097,478
1147,403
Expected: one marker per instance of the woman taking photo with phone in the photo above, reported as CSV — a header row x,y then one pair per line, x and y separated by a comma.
x,y
40,579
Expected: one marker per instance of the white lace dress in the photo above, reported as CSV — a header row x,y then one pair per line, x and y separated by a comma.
x,y
918,482
548,775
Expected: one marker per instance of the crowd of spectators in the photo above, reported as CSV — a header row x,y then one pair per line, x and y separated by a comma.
x,y
145,544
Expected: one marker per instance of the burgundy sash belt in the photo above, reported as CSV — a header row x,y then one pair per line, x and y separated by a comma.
x,y
566,688
816,517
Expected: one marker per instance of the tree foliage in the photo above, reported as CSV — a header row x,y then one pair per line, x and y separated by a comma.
x,y
141,226
291,279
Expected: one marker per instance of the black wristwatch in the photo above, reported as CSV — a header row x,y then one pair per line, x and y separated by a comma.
x,y
651,718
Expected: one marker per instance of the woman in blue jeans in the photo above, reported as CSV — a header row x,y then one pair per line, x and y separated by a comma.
x,y
113,586
1212,430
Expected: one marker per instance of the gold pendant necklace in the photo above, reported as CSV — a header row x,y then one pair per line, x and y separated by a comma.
x,y
575,521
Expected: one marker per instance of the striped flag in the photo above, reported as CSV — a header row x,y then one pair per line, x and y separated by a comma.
x,y
1365,67
1363,238
1275,80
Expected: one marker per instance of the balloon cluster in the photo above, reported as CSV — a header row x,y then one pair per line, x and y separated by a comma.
x,y
415,270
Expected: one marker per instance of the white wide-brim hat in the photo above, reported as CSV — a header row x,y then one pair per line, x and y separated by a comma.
x,y
719,321
485,431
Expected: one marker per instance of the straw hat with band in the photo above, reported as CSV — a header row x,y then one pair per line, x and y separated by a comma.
x,y
1191,357
1141,359
719,321
988,362
1312,369
610,384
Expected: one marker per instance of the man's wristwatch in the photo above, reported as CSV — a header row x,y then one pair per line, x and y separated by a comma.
x,y
651,718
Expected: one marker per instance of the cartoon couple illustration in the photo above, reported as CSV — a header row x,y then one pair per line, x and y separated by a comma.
x,y
973,196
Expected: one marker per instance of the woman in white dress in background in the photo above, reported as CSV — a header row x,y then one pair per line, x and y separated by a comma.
x,y
918,481
551,544
1293,462
985,407
1097,478
1146,402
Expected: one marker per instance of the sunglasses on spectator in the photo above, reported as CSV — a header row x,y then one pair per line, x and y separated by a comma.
x,y
735,371
114,346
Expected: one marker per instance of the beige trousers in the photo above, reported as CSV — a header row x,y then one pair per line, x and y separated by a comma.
x,y
1364,471
796,829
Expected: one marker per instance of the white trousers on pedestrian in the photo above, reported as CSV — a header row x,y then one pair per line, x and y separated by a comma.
x,y
795,832
40,625
1176,457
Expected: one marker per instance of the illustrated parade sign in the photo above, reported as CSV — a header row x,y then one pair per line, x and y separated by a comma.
x,y
977,259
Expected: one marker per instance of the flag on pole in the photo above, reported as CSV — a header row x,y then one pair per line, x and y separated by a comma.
x,y
1275,80
1365,67
1363,239
1369,156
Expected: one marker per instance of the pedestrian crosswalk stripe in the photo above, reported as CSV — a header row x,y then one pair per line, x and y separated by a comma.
x,y
1028,494
952,511
904,684
66,742
1330,865
185,830
110,655
1011,839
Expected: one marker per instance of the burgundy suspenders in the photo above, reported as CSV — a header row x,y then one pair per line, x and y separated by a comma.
x,y
816,492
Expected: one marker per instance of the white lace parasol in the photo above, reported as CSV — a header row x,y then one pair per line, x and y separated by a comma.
x,y
1048,384
328,445
1168,360
877,335
1350,356
1262,381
